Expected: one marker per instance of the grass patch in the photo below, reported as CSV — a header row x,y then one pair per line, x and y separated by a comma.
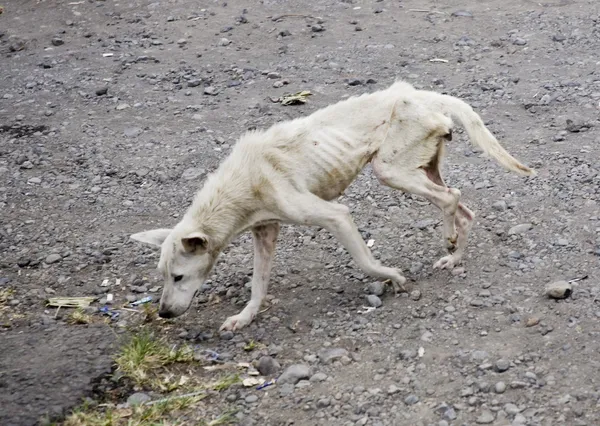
x,y
166,413
79,316
142,357
5,294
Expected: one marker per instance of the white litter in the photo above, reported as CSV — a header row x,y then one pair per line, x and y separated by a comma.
x,y
107,55
370,243
421,351
105,283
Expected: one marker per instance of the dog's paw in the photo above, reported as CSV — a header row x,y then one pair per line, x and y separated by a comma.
x,y
237,322
446,262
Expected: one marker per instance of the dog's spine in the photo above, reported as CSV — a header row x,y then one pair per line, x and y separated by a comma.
x,y
481,136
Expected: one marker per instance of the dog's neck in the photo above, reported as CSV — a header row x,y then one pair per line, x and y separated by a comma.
x,y
218,210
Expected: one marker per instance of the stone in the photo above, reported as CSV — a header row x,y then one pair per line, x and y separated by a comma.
x,y
57,41
138,398
53,258
559,290
374,301
192,173
411,399
327,356
377,288
132,132
502,365
500,387
520,229
294,373
485,418
267,366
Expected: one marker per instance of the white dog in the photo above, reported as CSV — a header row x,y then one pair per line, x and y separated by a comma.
x,y
292,172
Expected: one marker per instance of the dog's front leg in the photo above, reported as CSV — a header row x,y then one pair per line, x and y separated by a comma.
x,y
265,237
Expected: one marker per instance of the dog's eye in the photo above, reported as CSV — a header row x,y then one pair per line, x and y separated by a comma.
x,y
177,278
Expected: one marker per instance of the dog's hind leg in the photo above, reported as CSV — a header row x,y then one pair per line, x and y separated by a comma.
x,y
265,237
428,183
464,222
308,209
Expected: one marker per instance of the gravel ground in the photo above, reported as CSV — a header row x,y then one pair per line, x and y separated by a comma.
x,y
112,113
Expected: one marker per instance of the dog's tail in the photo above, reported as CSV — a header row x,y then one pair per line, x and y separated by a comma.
x,y
480,135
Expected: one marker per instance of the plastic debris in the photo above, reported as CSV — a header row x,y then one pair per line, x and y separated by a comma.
x,y
292,99
445,61
142,301
105,310
109,298
367,309
253,381
211,355
107,55
266,384
421,351
70,302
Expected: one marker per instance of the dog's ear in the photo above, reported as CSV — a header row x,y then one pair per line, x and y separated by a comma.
x,y
154,237
196,242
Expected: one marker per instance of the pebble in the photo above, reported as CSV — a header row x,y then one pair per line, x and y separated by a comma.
x,y
500,206
138,398
53,258
294,373
318,377
374,301
411,399
520,229
500,387
102,91
502,365
327,356
34,180
224,42
192,173
415,295
250,399
486,417
132,132
209,90
377,288
519,41
57,41
559,290
267,366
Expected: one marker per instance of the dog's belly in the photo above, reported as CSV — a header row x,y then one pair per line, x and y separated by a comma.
x,y
331,167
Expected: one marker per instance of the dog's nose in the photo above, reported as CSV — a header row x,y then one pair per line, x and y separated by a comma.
x,y
164,313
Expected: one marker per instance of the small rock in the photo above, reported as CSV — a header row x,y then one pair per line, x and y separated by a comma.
x,y
53,258
327,356
502,365
415,295
267,366
209,90
102,91
500,206
294,373
250,399
192,173
57,41
520,229
559,290
462,14
485,418
132,132
558,38
138,398
500,387
317,28
224,42
519,41
35,180
377,288
227,335
374,301
318,377
411,399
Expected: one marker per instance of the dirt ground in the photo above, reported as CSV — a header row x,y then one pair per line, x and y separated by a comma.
x,y
113,112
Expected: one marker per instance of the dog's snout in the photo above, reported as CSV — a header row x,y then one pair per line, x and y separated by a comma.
x,y
165,313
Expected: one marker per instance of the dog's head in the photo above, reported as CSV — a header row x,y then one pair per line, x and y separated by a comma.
x,y
186,259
